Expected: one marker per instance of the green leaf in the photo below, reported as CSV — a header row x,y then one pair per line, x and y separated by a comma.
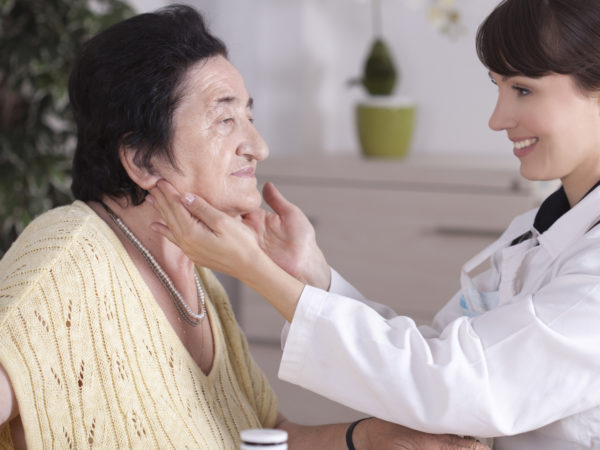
x,y
38,43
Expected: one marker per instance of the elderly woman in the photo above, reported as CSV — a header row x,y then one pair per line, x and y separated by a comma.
x,y
109,334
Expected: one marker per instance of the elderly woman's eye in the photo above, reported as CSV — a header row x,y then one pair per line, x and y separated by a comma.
x,y
228,120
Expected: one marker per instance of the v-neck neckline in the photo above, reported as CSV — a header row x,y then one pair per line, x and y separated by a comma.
x,y
165,324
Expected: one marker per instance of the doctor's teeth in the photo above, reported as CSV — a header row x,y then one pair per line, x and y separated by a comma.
x,y
525,143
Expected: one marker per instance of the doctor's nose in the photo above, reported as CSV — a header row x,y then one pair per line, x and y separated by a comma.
x,y
502,117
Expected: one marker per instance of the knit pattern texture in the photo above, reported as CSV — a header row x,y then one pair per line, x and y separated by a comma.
x,y
95,363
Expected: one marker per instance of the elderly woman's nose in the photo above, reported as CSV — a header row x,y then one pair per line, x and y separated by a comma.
x,y
253,146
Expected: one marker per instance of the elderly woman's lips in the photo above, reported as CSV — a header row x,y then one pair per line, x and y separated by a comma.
x,y
245,172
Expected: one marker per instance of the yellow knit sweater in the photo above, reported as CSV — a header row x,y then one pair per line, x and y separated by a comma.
x,y
93,360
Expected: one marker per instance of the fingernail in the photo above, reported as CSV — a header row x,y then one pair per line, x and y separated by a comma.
x,y
188,199
150,200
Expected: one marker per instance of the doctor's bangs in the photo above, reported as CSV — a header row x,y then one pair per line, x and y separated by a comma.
x,y
538,37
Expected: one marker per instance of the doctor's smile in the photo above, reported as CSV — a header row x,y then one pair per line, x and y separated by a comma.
x,y
524,147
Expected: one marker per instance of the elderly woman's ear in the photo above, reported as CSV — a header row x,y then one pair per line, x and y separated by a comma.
x,y
140,175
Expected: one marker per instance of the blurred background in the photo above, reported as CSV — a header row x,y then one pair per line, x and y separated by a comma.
x,y
296,56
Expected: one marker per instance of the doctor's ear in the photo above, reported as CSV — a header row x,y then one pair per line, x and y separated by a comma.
x,y
143,176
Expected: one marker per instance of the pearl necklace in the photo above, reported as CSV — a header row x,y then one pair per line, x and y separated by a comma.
x,y
182,307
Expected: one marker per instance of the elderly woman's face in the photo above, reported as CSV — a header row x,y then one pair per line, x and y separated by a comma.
x,y
216,145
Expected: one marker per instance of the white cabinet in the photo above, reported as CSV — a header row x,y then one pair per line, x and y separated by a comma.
x,y
398,230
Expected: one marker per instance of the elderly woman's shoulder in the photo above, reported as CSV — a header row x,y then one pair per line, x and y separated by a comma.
x,y
52,230
45,241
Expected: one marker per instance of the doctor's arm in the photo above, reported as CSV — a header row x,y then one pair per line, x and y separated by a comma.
x,y
514,369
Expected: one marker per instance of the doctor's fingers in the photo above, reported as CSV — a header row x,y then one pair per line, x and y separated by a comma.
x,y
458,443
164,230
183,213
255,220
167,201
275,199
426,441
382,435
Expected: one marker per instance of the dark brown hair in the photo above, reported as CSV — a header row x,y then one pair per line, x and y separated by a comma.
x,y
538,37
124,88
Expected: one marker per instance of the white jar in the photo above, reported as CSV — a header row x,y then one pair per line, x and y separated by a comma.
x,y
264,439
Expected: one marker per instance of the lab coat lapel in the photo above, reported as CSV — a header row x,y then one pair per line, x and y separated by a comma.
x,y
474,301
512,258
572,225
525,265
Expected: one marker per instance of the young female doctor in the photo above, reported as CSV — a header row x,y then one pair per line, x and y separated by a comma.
x,y
515,354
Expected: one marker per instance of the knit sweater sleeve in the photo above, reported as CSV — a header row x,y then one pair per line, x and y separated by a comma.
x,y
250,377
30,273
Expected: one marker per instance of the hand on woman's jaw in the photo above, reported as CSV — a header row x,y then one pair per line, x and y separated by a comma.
x,y
210,237
285,235
215,240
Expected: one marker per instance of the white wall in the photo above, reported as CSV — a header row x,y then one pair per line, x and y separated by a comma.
x,y
296,56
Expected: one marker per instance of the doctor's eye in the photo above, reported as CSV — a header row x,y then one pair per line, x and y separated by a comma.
x,y
521,91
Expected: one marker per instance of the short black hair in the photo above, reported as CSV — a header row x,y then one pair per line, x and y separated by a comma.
x,y
124,88
538,37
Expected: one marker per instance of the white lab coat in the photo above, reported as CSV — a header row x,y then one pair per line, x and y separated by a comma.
x,y
527,370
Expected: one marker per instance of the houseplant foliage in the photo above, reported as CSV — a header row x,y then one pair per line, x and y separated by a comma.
x,y
380,73
38,42
385,122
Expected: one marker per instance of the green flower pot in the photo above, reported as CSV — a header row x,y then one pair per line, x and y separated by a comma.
x,y
385,126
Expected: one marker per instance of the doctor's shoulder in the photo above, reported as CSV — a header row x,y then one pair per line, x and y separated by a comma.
x,y
583,254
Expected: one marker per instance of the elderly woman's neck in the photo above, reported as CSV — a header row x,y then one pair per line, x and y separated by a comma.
x,y
138,219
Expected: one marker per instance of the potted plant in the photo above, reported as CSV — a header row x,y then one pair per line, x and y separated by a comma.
x,y
385,122
38,43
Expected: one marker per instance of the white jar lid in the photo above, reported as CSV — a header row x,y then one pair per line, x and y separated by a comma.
x,y
264,436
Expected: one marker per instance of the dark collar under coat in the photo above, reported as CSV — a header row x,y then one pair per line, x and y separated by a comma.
x,y
551,209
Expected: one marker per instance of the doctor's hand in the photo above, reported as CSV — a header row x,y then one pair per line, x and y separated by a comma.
x,y
288,238
381,435
206,235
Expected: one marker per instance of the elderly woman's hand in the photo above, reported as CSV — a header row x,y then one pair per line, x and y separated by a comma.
x,y
288,237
